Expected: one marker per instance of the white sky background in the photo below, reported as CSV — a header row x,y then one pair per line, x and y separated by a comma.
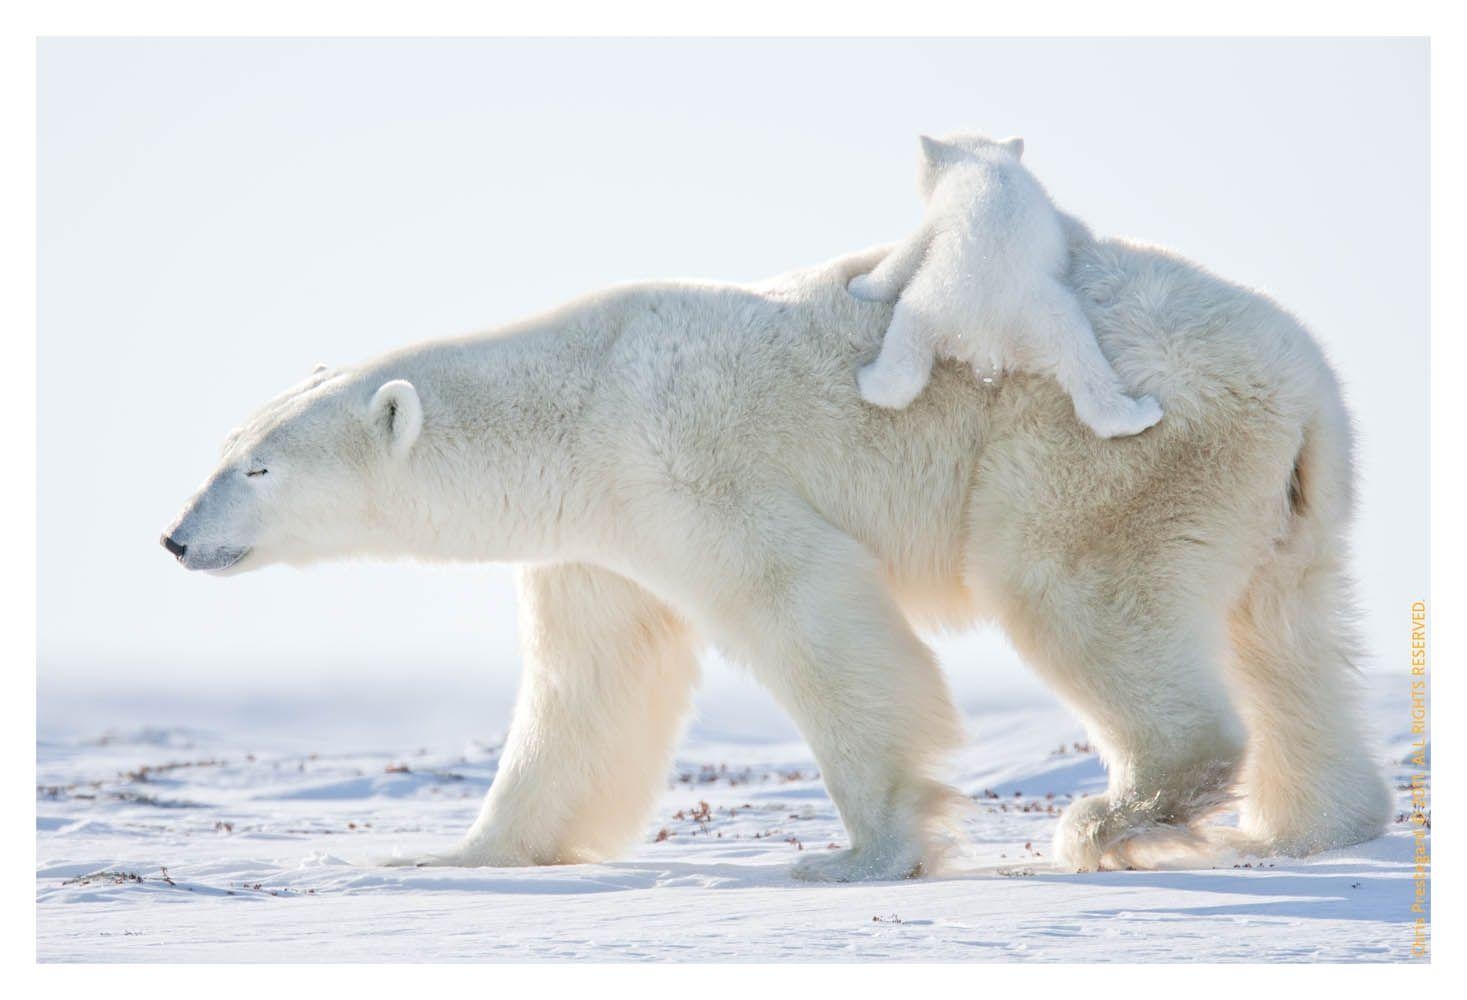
x,y
216,217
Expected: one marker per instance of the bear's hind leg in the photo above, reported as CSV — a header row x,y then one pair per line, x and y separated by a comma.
x,y
608,678
1149,687
1310,783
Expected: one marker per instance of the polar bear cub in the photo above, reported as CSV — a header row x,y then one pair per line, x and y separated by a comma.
x,y
980,281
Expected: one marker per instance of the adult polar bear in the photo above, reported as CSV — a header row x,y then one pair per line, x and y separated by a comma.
x,y
685,462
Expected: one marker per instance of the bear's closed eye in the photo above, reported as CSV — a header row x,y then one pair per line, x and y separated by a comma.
x,y
257,472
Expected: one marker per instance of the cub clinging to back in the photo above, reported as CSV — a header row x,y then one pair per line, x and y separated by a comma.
x,y
981,281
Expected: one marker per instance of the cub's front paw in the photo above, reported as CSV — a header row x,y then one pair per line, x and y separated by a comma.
x,y
880,388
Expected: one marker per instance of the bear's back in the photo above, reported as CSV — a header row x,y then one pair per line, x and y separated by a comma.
x,y
724,391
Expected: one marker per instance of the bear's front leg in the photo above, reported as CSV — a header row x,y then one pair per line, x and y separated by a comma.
x,y
608,678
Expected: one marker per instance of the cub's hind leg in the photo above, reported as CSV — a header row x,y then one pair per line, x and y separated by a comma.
x,y
1064,333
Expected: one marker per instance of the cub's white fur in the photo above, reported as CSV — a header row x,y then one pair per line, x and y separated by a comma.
x,y
679,464
982,282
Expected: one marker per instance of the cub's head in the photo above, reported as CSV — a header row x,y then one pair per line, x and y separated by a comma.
x,y
939,155
307,477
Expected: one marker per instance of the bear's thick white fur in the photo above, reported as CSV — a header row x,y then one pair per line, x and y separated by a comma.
x,y
678,464
982,281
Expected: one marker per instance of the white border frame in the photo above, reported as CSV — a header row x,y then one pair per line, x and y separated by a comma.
x,y
27,21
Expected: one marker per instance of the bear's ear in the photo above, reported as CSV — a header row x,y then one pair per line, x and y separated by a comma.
x,y
321,366
936,152
1015,145
396,414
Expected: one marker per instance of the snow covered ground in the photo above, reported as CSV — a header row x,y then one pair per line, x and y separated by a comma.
x,y
235,836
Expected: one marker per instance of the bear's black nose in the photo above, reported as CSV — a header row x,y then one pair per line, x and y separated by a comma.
x,y
174,547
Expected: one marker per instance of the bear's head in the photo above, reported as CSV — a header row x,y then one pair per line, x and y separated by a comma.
x,y
939,155
310,476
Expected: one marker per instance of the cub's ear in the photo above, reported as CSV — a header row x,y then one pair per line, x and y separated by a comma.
x,y
396,413
320,367
936,152
1014,145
